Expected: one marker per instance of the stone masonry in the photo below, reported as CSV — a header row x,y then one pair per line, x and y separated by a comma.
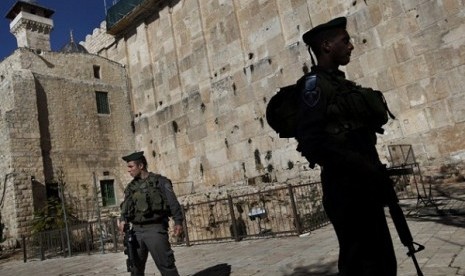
x,y
49,125
201,73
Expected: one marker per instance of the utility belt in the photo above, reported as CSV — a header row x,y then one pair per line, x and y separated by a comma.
x,y
158,220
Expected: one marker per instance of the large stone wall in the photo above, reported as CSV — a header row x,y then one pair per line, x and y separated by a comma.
x,y
50,128
19,135
202,72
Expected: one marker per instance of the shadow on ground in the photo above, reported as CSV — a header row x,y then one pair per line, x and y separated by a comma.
x,y
447,207
449,218
216,270
321,269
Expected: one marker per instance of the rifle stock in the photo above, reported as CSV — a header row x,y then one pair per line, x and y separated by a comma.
x,y
131,247
400,223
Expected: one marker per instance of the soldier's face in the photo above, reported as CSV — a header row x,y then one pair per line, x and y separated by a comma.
x,y
135,169
341,47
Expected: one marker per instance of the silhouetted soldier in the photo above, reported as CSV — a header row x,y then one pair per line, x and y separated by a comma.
x,y
337,131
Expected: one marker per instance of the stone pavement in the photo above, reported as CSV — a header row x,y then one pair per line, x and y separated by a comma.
x,y
311,254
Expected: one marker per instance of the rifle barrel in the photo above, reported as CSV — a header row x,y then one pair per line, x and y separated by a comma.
x,y
412,251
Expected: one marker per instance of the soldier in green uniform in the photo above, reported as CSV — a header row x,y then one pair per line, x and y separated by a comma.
x,y
336,132
149,201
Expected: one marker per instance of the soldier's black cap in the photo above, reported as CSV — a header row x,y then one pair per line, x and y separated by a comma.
x,y
134,156
340,22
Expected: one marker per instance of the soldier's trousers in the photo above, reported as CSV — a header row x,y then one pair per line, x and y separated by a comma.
x,y
365,244
154,238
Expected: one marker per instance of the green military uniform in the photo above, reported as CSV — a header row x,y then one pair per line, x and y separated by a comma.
x,y
148,204
333,134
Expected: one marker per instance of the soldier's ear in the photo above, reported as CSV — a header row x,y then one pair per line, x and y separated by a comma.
x,y
326,46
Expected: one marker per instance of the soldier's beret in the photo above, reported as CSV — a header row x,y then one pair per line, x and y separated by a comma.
x,y
134,156
340,22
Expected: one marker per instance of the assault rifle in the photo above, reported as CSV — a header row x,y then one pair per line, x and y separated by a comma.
x,y
130,245
400,223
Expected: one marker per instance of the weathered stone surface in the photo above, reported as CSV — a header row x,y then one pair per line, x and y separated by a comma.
x,y
50,124
243,51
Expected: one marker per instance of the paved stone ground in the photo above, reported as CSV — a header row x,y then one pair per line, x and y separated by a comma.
x,y
311,254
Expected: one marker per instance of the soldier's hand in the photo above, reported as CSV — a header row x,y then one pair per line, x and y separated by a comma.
x,y
177,230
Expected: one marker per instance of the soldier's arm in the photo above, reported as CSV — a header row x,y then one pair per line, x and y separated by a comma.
x,y
173,202
121,221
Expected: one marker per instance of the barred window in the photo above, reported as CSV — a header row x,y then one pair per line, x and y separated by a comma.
x,y
102,102
108,192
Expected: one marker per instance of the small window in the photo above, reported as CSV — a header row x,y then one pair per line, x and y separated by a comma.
x,y
96,71
102,102
108,192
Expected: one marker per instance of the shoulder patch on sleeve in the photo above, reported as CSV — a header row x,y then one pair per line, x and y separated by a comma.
x,y
311,93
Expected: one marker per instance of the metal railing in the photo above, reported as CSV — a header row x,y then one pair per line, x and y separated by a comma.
x,y
126,13
289,210
406,174
119,10
83,238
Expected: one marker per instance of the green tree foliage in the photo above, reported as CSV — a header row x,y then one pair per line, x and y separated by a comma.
x,y
52,217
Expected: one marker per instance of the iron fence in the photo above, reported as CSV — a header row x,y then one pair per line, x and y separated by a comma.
x,y
283,211
82,238
408,182
406,173
288,210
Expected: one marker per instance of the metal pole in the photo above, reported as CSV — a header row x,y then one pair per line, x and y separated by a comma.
x,y
295,214
184,224
24,248
98,213
233,219
86,235
63,206
114,232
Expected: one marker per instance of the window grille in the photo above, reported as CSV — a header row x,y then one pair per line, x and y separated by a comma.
x,y
102,102
108,192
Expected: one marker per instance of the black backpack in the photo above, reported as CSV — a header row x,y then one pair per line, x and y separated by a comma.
x,y
282,111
